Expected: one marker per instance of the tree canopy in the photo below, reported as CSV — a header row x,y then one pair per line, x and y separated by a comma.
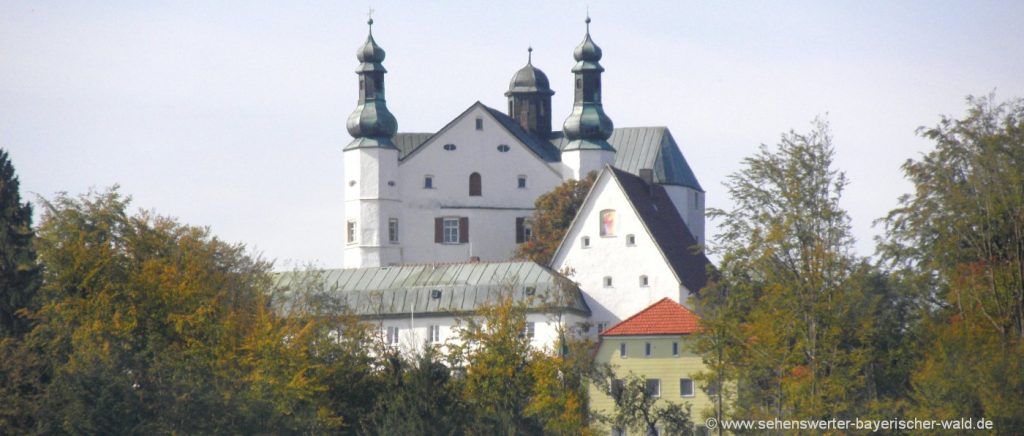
x,y
554,213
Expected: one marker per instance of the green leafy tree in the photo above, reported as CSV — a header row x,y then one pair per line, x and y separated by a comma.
x,y
786,324
422,398
554,213
19,272
958,242
638,408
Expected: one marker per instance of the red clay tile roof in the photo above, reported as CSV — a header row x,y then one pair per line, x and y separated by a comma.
x,y
666,317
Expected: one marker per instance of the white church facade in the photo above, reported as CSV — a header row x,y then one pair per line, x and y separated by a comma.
x,y
432,219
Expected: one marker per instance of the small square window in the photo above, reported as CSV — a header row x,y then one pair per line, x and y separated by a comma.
x,y
479,123
654,387
585,241
428,182
644,281
521,182
607,281
685,387
630,240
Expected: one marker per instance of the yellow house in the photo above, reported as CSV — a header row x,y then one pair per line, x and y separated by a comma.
x,y
655,344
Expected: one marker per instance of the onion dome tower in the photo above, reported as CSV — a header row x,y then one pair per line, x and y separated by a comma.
x,y
588,128
371,124
372,203
529,99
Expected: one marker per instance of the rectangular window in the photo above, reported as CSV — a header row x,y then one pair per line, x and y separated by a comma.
x,y
479,123
524,230
643,281
602,326
607,282
617,386
622,350
585,242
451,231
350,232
521,182
428,182
647,349
654,387
529,330
393,230
392,335
630,240
434,331
685,387
675,349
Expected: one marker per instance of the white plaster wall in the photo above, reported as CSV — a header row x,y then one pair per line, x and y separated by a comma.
x,y
492,215
414,330
610,256
370,201
576,164
692,212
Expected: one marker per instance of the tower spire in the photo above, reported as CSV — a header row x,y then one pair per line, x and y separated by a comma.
x,y
371,124
588,127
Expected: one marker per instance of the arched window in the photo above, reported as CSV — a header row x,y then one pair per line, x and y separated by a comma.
x,y
475,185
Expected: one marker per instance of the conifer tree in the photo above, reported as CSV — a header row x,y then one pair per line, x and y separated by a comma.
x,y
19,272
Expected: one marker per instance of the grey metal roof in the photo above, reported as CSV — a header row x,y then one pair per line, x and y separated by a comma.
x,y
407,142
464,287
637,148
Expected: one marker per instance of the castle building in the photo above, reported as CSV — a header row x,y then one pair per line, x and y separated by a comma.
x,y
432,219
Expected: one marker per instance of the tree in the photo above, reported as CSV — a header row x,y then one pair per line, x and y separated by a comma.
x,y
637,407
422,398
554,213
19,272
787,324
958,239
150,326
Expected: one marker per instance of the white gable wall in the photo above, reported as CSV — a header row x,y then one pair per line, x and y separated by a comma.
x,y
492,216
611,257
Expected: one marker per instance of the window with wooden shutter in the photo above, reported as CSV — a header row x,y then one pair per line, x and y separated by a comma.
x,y
438,230
463,230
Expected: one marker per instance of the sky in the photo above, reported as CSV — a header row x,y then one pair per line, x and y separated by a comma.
x,y
231,114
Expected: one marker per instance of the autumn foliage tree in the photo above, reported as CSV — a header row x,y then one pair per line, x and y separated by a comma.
x,y
959,241
787,325
554,213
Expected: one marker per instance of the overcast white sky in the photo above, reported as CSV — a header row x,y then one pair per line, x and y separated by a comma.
x,y
231,114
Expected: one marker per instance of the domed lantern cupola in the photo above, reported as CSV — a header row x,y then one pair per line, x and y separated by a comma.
x,y
529,99
588,127
371,124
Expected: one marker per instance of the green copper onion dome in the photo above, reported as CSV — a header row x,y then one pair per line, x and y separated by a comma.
x,y
587,51
529,79
371,124
370,52
587,127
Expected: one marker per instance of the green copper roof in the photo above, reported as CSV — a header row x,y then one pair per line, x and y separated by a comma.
x,y
464,287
